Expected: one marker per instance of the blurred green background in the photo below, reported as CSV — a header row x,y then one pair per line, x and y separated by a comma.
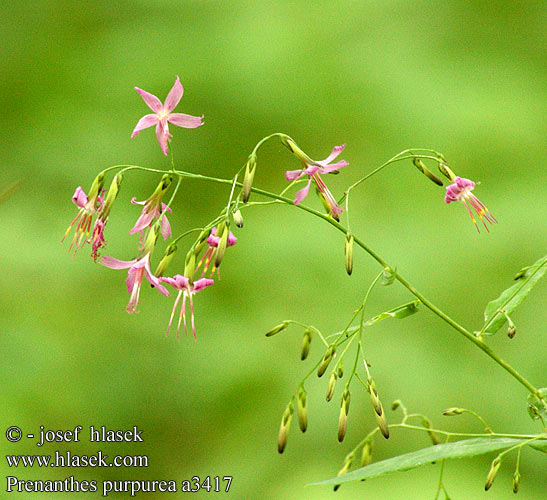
x,y
465,78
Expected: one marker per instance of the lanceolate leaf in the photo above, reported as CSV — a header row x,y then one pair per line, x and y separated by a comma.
x,y
509,299
460,449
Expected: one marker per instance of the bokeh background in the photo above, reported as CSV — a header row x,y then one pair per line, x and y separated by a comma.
x,y
465,78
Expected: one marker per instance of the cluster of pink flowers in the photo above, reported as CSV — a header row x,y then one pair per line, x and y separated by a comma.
x,y
153,218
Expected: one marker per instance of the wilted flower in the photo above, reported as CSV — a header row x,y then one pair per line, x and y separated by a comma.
x,y
186,289
312,169
88,207
213,242
461,191
138,268
162,115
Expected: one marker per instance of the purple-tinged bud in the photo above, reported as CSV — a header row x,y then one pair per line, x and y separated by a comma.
x,y
349,253
327,358
306,341
420,165
302,410
276,329
496,463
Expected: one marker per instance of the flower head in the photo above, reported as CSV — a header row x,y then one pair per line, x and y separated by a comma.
x,y
186,289
163,115
213,241
138,268
461,191
88,206
312,169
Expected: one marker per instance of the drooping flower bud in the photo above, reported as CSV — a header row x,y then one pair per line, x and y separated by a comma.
x,y
446,171
343,419
238,218
166,259
284,428
113,191
420,165
250,168
496,463
302,410
276,329
190,265
516,482
221,249
349,253
378,409
327,358
340,371
331,386
306,341
451,412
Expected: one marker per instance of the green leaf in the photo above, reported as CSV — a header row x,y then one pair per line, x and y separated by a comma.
x,y
512,297
460,449
397,312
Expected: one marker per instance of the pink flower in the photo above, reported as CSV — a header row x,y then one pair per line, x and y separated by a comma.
x,y
138,268
461,191
213,242
162,115
186,289
312,169
87,208
97,240
151,211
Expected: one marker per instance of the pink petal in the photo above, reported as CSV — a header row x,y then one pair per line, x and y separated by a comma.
x,y
201,284
185,121
145,122
232,240
292,175
178,281
164,207
335,166
142,222
174,96
151,100
151,278
79,198
130,281
135,202
113,263
335,152
165,227
300,195
162,137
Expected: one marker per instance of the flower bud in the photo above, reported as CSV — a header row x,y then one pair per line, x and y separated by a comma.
x,y
166,259
201,241
427,424
190,265
388,277
445,170
327,358
96,187
238,218
296,151
277,329
248,178
113,191
420,165
302,410
378,409
221,249
340,370
451,412
306,341
349,253
151,238
331,386
516,481
492,473
343,419
511,331
347,464
284,428
366,454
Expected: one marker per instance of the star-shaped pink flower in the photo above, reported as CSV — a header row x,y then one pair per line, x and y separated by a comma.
x,y
162,115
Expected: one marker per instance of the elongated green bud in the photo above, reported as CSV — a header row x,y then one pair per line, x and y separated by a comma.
x,y
427,424
331,386
190,265
496,463
349,253
306,341
302,410
378,409
366,454
248,178
451,412
516,481
151,238
113,191
340,370
327,358
96,186
166,259
238,218
343,419
284,428
295,150
276,329
221,249
445,170
201,241
420,165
